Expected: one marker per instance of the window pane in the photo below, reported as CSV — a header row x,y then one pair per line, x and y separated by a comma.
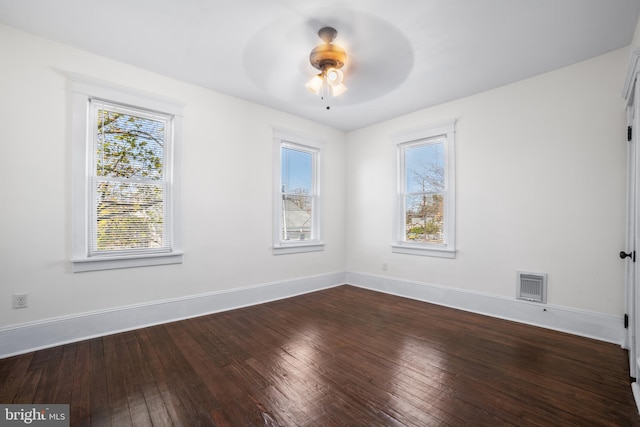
x,y
424,168
297,171
297,217
424,218
129,216
129,146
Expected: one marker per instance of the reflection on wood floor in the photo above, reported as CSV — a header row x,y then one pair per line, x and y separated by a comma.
x,y
338,357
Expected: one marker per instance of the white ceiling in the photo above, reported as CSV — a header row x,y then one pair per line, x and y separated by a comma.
x,y
404,55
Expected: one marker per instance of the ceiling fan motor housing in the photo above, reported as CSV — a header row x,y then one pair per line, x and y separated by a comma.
x,y
327,55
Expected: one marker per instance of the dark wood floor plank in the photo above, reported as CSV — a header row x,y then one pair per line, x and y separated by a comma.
x,y
49,364
338,357
29,386
198,353
63,383
42,358
163,380
174,380
132,382
101,411
147,382
118,398
12,373
80,411
183,382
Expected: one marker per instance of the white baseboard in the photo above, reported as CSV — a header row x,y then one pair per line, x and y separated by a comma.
x,y
33,336
583,323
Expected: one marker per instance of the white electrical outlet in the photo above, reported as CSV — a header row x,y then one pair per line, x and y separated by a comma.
x,y
385,266
20,300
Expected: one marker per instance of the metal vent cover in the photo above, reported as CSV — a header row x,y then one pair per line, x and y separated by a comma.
x,y
532,287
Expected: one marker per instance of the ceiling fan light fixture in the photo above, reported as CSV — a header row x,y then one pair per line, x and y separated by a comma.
x,y
315,84
329,59
338,89
334,76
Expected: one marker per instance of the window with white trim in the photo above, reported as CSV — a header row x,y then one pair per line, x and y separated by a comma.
x,y
425,200
297,202
124,179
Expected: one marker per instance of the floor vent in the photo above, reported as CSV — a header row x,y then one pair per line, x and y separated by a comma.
x,y
532,287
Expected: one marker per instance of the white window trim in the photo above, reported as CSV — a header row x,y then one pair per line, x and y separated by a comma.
x,y
403,139
283,136
83,89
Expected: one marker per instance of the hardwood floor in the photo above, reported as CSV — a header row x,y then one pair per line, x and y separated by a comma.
x,y
342,356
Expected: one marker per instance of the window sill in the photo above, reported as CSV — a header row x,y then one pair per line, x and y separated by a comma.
x,y
111,263
423,250
294,248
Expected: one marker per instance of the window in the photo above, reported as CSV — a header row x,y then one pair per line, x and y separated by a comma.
x,y
124,179
297,203
425,202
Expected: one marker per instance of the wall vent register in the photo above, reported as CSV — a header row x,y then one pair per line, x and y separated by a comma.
x,y
532,287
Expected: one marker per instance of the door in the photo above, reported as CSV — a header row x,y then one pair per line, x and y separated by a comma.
x,y
630,245
632,271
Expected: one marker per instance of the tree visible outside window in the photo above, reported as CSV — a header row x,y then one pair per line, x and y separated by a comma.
x,y
125,178
129,205
425,210
424,197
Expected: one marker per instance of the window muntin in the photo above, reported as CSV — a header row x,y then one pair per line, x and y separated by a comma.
x,y
130,193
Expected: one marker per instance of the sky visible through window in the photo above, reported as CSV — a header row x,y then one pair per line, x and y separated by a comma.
x,y
296,174
424,168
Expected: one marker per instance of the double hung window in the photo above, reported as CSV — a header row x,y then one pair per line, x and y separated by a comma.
x,y
124,182
129,199
425,201
297,202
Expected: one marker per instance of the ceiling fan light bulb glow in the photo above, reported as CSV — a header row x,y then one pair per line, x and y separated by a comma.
x,y
334,76
315,84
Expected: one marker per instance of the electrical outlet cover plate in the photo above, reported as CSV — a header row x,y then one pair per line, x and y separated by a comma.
x,y
19,300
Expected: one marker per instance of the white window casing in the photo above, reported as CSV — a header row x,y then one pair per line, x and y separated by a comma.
x,y
442,136
88,96
297,228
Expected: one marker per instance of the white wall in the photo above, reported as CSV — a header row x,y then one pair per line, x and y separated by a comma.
x,y
227,190
540,187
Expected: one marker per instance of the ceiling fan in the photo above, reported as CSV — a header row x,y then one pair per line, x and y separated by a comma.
x,y
329,59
